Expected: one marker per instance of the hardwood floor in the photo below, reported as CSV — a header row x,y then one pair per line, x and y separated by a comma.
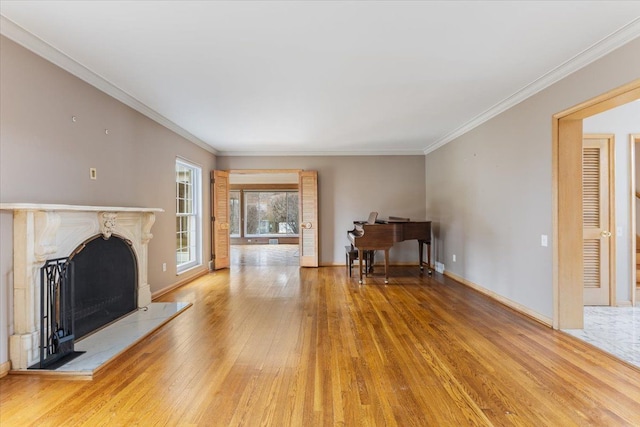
x,y
283,346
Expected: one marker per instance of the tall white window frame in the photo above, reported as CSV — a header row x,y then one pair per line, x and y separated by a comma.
x,y
188,215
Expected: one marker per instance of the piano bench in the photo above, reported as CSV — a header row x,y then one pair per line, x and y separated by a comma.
x,y
350,256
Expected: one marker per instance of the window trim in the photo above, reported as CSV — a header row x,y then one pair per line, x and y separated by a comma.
x,y
196,214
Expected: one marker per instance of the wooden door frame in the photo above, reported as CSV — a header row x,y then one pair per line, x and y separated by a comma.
x,y
567,202
263,171
633,140
612,209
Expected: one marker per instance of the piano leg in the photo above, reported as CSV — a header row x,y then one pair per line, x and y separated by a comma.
x,y
421,252
360,256
386,266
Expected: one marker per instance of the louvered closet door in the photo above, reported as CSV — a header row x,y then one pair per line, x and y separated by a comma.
x,y
220,220
596,234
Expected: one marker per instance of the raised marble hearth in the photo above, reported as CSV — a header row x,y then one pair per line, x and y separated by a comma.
x,y
45,231
103,346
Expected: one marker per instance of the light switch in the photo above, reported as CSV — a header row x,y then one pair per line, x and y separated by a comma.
x,y
543,240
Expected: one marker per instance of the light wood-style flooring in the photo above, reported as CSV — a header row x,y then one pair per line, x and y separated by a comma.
x,y
284,346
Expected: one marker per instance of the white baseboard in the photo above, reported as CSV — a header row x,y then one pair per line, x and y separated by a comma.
x,y
502,300
197,273
377,264
5,368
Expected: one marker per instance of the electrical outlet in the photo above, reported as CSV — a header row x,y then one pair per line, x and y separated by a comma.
x,y
454,257
543,240
164,266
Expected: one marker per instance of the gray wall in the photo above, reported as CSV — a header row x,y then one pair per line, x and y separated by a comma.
x,y
45,158
622,122
490,189
349,187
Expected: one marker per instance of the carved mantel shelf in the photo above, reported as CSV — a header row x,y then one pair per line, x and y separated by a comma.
x,y
48,231
71,208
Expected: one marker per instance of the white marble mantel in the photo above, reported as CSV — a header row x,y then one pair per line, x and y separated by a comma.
x,y
48,231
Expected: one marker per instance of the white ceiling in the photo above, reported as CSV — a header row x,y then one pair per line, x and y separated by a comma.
x,y
396,77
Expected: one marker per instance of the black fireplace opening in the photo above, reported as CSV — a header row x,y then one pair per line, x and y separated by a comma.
x,y
105,285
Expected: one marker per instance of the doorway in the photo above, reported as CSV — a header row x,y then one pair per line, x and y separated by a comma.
x,y
264,228
270,219
568,277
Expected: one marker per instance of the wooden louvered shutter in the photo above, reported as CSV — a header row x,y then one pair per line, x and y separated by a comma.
x,y
308,191
220,226
595,216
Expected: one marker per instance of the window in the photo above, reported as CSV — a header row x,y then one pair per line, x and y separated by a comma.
x,y
234,213
188,201
271,213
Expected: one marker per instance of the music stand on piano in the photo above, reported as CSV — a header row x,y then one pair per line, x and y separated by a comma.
x,y
372,218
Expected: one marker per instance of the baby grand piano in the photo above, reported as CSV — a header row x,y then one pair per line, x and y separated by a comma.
x,y
382,235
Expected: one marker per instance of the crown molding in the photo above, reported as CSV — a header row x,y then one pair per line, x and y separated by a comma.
x,y
596,51
14,32
416,152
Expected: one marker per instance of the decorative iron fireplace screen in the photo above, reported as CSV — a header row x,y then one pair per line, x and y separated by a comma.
x,y
56,311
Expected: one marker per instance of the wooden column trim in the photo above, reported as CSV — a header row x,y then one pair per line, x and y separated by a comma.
x,y
568,235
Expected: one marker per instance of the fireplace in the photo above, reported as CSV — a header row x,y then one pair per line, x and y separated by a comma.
x,y
111,242
105,277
